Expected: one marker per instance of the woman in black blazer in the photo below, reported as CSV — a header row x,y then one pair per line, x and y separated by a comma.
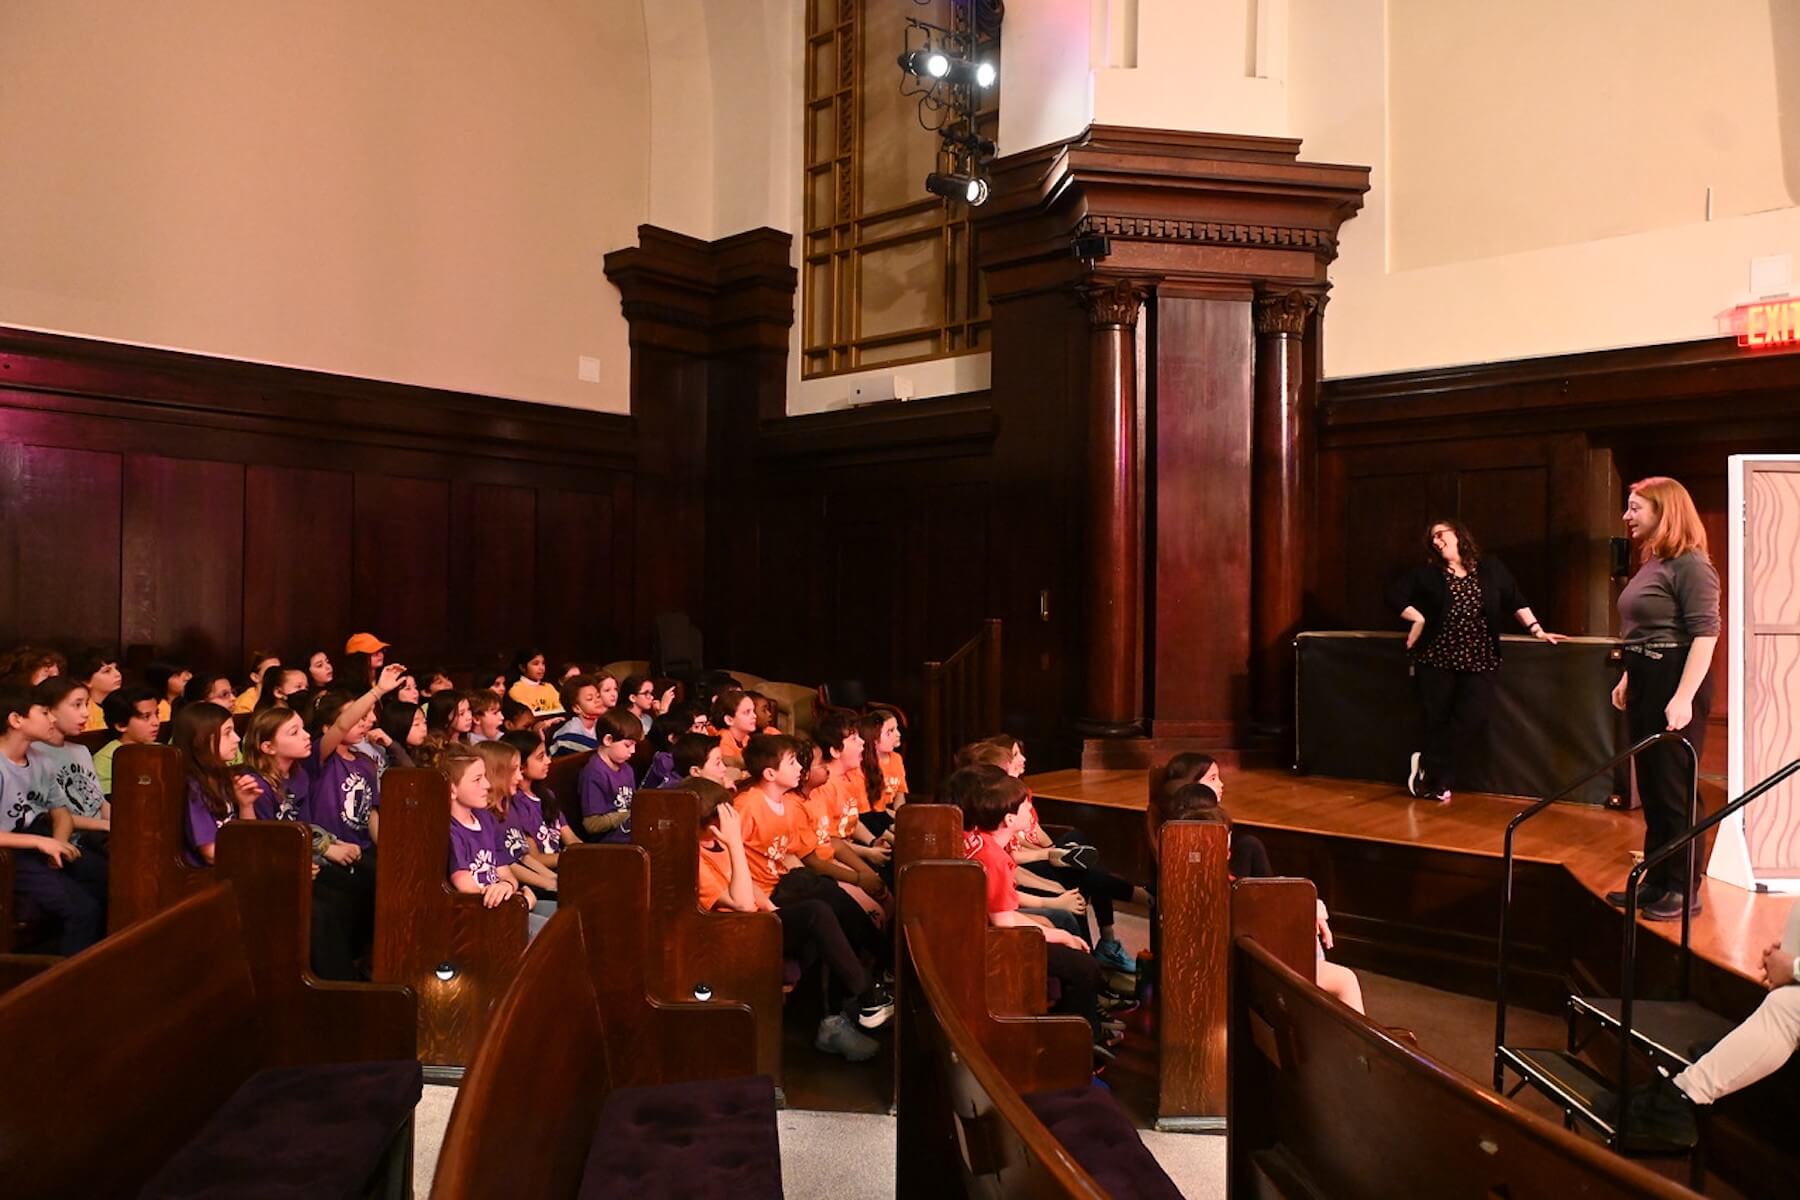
x,y
1456,603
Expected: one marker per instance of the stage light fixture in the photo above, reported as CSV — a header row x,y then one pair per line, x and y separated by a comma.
x,y
982,148
925,63
967,188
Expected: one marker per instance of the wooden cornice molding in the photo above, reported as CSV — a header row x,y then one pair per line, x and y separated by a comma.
x,y
1711,384
197,396
697,297
1189,207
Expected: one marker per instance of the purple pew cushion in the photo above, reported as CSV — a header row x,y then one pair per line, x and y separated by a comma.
x,y
709,1140
316,1131
1095,1130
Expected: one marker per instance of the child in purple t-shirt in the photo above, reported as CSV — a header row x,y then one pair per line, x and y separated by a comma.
x,y
344,788
607,781
216,796
518,830
478,860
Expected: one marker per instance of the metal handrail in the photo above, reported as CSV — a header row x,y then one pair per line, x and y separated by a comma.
x,y
1507,865
1628,964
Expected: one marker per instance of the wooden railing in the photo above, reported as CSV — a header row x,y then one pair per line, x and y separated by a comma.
x,y
962,702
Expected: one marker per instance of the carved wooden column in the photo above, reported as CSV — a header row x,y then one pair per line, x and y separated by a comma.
x,y
1281,455
1114,697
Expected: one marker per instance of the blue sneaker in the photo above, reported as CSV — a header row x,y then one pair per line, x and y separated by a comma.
x,y
1112,954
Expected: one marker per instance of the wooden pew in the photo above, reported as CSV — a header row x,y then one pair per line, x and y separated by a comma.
x,y
1199,910
976,1082
455,955
1325,1103
269,866
585,979
147,873
15,968
175,1083
734,956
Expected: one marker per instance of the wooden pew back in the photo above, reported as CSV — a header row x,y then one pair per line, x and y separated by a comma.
x,y
424,929
1324,1102
174,1011
149,809
581,990
962,1124
734,956
15,968
564,782
269,865
1193,946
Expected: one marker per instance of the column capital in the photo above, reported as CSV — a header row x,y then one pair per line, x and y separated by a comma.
x,y
1286,310
1114,302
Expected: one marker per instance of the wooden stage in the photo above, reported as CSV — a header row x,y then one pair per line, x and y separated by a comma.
x,y
1593,846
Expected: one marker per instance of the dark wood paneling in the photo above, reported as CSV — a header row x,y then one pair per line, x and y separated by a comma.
x,y
578,572
401,580
201,505
52,500
183,558
297,558
493,563
1202,537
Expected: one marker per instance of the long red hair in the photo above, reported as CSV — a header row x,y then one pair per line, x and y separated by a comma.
x,y
1678,527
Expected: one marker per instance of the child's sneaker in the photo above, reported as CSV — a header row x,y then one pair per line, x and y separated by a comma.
x,y
838,1036
1112,955
874,1007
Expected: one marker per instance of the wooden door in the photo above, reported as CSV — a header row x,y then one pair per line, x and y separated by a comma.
x,y
1766,734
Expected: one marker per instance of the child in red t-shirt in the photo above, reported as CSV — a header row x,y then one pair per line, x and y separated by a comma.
x,y
990,800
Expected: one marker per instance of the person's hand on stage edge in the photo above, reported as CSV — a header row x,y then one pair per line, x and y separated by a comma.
x,y
1778,966
1544,635
1618,693
1679,712
1412,635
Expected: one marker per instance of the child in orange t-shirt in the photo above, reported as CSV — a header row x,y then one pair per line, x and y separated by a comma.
x,y
837,805
735,715
820,921
882,771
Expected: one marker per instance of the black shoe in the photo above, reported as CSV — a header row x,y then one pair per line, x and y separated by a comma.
x,y
1667,907
1648,893
874,1007
1660,1117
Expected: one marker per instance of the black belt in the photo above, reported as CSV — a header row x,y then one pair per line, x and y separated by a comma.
x,y
1653,650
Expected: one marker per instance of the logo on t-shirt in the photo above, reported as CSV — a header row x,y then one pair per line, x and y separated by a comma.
x,y
549,840
776,851
516,845
80,788
354,806
483,868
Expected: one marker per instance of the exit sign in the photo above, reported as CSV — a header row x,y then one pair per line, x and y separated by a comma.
x,y
1768,324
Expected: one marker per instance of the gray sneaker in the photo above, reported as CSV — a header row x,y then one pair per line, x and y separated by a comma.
x,y
838,1036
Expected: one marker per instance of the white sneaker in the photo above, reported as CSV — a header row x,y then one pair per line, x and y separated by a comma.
x,y
1412,776
838,1036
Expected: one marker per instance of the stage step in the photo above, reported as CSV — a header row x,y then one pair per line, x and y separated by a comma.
x,y
1668,1029
1579,1090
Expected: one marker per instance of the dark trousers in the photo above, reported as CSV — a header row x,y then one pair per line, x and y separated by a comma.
x,y
1664,772
1249,857
1078,974
1456,706
343,917
42,891
810,933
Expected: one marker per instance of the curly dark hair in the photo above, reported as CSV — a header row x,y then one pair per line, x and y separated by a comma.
x,y
1466,546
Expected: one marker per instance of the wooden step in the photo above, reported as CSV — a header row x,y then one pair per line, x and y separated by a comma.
x,y
1667,1029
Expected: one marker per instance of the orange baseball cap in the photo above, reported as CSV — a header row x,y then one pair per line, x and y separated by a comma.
x,y
364,643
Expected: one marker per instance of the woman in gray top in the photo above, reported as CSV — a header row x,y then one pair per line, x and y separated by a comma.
x,y
1669,622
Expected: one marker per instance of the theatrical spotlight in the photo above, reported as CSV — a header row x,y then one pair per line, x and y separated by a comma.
x,y
981,148
931,64
967,188
925,63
